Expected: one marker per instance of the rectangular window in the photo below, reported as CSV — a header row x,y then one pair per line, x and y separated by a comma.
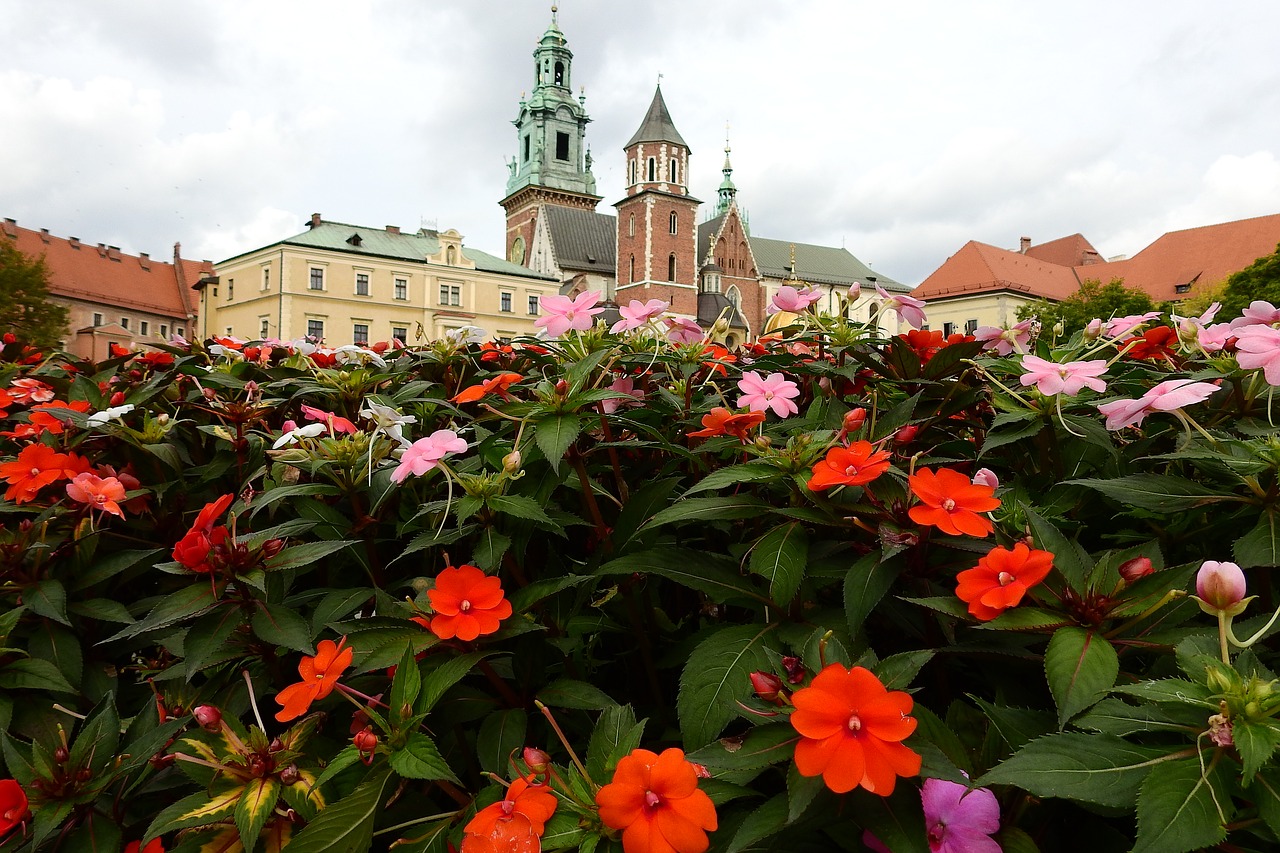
x,y
164,330
263,326
360,334
1182,288
266,278
948,329
144,327
97,319
317,278
970,326
362,284
450,294
124,321
505,301
526,149
182,331
562,146
400,333
402,288
231,289
533,306
315,329
228,331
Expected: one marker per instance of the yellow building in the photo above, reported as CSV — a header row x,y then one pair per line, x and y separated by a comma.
x,y
352,284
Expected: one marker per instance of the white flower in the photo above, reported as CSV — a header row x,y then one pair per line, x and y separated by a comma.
x,y
387,420
308,431
467,335
112,414
352,354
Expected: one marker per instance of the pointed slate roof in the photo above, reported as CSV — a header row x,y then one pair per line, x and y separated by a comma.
x,y
584,241
657,125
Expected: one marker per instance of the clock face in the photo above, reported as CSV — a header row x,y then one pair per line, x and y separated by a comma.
x,y
516,255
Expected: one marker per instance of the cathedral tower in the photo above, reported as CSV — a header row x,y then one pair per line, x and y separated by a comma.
x,y
552,164
657,225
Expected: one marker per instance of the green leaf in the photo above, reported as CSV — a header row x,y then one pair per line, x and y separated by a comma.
x,y
1255,742
865,584
1157,492
436,682
781,556
1176,810
32,674
711,575
501,733
1265,791
1069,558
347,825
96,742
419,759
1008,435
297,556
1081,667
405,686
282,626
208,635
898,671
568,693
48,598
716,677
554,434
95,835
563,832
748,472
709,509
1261,545
1174,690
185,603
254,807
1116,717
896,820
198,809
60,647
772,743
1091,768
527,596
801,792
616,734
762,822
103,568
519,506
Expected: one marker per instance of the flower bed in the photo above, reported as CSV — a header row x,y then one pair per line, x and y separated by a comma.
x,y
629,590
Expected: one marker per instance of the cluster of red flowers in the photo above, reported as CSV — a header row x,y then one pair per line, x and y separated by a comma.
x,y
926,344
193,549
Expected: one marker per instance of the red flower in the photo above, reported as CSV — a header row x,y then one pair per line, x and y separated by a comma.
x,y
656,802
153,846
1001,578
855,465
193,549
951,502
467,604
719,358
524,811
156,359
37,466
851,731
13,805
1155,344
721,421
496,352
497,385
927,344
211,513
319,676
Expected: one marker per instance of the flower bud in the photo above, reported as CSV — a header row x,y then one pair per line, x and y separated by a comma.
x,y
986,477
536,760
272,547
60,755
768,687
1135,569
511,462
1059,329
1221,588
795,669
562,387
117,399
854,419
906,435
208,718
365,740
763,442
1094,330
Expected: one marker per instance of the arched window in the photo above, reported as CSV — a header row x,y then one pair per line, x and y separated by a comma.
x,y
674,222
631,270
734,297
652,167
632,171
560,74
675,171
631,225
671,267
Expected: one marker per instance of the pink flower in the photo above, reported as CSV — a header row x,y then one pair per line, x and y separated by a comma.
x,y
104,493
1165,397
1259,346
335,423
425,453
563,313
625,385
1214,338
682,330
774,392
1123,325
1051,378
1093,330
1005,341
1221,586
986,477
1258,313
908,309
30,391
959,820
789,299
1189,328
637,313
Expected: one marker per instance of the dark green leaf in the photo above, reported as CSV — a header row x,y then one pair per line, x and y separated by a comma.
x,y
554,434
865,584
781,556
1176,810
748,472
568,693
282,626
709,574
1069,558
1256,742
436,682
347,825
520,506
717,677
1261,545
405,686
420,759
298,556
1157,492
501,734
709,509
772,743
32,674
896,820
616,734
763,822
48,598
1092,768
1081,667
898,671
174,608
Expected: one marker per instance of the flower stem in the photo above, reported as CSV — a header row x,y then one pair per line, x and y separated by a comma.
x,y
577,762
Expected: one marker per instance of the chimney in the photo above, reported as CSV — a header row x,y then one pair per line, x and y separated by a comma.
x,y
11,227
393,229
44,234
102,250
113,252
315,221
144,261
1024,244
74,241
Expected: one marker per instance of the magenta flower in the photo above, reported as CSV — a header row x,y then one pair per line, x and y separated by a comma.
x,y
562,313
682,330
959,820
1123,325
425,453
986,477
789,299
1221,586
1166,397
774,392
1259,346
1004,341
625,385
908,309
1258,313
1051,378
637,313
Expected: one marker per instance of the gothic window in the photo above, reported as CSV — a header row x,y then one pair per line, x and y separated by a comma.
x,y
631,270
562,146
734,297
675,171
560,74
674,221
671,267
631,172
631,223
526,149
652,167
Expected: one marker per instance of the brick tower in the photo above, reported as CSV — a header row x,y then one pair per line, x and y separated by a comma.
x,y
657,221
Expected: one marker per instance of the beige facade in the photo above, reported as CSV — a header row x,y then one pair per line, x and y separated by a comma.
x,y
963,314
351,284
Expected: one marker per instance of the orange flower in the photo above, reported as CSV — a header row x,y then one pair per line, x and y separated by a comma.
x,y
497,385
98,492
42,418
721,421
1001,578
951,502
37,466
155,846
656,802
523,812
319,676
719,358
851,731
467,604
855,465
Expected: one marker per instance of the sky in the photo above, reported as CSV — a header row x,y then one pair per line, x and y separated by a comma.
x,y
897,130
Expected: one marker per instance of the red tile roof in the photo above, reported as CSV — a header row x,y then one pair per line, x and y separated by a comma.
x,y
1070,251
980,268
106,276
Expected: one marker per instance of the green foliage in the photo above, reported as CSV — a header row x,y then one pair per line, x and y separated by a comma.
x,y
1092,299
25,307
1260,281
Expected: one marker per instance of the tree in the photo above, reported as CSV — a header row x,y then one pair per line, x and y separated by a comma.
x,y
1093,299
1258,281
25,306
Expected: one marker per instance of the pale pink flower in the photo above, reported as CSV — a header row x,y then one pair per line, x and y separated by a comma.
x,y
562,313
1005,341
1051,378
104,493
1220,585
1189,328
1259,346
789,299
425,453
1165,397
30,391
959,820
625,385
1214,338
909,309
1123,325
1258,313
1093,330
682,330
637,313
986,477
774,392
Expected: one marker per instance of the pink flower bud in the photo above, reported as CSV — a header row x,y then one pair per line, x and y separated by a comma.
x,y
537,760
986,477
366,741
854,419
906,435
1093,330
1135,569
208,717
1220,585
795,669
768,687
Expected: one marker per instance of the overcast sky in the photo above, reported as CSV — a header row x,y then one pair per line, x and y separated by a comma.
x,y
899,130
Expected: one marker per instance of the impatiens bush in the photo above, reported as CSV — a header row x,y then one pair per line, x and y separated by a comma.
x,y
628,590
